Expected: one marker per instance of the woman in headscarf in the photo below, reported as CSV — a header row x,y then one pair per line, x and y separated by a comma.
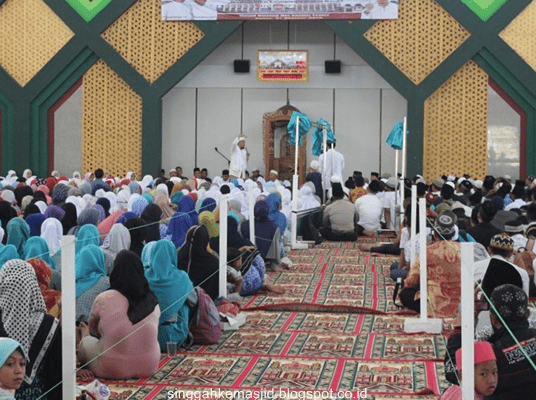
x,y
171,286
31,209
43,273
152,214
24,318
163,202
35,221
266,233
179,225
88,234
88,216
18,232
102,213
118,239
129,309
201,266
91,279
105,204
69,219
54,211
138,234
275,215
105,226
176,197
187,206
37,247
207,219
253,266
139,205
7,213
8,252
236,209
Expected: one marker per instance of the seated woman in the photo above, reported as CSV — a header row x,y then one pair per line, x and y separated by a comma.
x,y
201,266
267,233
43,274
339,222
24,318
171,286
118,239
129,307
91,279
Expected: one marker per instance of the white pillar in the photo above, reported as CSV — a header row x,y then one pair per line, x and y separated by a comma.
x,y
324,161
223,246
68,317
251,205
424,268
468,321
404,149
296,146
413,222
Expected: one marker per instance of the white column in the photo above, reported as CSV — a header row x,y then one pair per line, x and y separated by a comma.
x,y
297,147
223,246
68,317
468,321
413,222
424,268
404,149
251,205
324,161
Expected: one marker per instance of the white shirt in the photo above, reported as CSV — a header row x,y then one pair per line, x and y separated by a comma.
x,y
389,200
518,203
334,166
239,160
480,268
369,209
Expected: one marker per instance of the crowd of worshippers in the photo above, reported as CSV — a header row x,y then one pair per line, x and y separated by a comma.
x,y
499,217
141,247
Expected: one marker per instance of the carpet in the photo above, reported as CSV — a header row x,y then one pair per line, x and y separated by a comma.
x,y
334,333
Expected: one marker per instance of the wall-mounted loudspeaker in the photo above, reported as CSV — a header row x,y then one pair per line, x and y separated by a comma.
x,y
333,66
241,66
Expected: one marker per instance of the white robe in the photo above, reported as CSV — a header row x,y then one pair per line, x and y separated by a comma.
x,y
239,160
334,166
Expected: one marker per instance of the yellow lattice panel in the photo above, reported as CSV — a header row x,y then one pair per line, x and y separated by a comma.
x,y
456,125
520,34
422,37
111,123
30,35
148,43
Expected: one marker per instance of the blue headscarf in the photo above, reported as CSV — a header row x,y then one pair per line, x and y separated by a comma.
x,y
208,204
264,228
187,205
18,232
8,252
178,227
139,205
88,234
170,285
7,347
123,219
176,197
35,221
37,247
89,268
275,215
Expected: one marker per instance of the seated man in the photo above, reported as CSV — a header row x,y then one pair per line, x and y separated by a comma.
x,y
517,378
339,220
369,209
443,258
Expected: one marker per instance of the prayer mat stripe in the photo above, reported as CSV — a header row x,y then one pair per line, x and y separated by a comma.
x,y
289,321
431,378
246,371
289,344
337,375
154,392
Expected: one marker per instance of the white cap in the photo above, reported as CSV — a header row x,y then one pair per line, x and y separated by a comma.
x,y
335,179
241,139
478,184
314,164
273,171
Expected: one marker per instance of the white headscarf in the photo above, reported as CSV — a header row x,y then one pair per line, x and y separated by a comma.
x,y
41,205
162,188
52,231
122,199
8,196
112,198
307,200
131,201
76,201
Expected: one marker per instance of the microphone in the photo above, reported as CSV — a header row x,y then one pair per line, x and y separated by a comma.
x,y
215,148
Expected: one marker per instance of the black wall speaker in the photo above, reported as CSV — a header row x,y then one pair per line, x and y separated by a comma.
x,y
241,66
333,66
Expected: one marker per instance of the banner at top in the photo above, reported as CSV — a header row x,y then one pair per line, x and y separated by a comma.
x,y
218,10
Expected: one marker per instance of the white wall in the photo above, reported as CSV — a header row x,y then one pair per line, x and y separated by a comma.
x,y
361,106
68,135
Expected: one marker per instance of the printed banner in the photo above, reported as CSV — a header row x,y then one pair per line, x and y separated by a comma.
x,y
212,10
282,65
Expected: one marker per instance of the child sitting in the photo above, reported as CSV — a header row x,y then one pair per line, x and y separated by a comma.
x,y
234,276
13,367
486,375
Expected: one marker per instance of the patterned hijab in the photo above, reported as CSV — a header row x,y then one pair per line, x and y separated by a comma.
x,y
43,272
207,219
21,304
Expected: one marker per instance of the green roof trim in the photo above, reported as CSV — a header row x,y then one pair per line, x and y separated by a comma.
x,y
484,8
88,9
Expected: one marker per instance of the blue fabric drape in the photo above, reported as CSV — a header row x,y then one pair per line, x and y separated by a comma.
x,y
318,136
305,126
